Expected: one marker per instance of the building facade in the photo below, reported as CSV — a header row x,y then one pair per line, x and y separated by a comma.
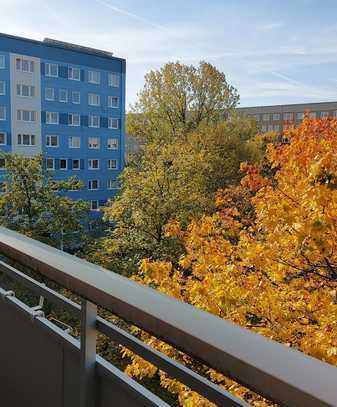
x,y
66,102
279,118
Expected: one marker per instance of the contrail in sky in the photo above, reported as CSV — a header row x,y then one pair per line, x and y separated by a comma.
x,y
128,14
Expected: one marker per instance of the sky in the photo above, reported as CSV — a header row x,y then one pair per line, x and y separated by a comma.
x,y
272,51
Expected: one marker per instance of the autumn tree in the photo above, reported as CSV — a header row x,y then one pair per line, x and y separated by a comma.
x,y
177,99
35,204
266,259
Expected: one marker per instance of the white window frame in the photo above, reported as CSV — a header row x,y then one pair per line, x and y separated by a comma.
x,y
31,137
324,115
290,114
91,117
91,205
66,167
21,86
110,98
49,116
4,134
2,62
72,115
110,119
112,168
2,88
49,98
91,143
48,68
265,117
48,141
71,76
71,144
112,184
94,99
276,116
113,143
92,79
114,79
4,111
20,65
32,115
299,115
63,100
53,161
79,97
313,115
90,164
79,164
90,184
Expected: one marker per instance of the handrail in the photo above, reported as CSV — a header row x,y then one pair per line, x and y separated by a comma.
x,y
281,374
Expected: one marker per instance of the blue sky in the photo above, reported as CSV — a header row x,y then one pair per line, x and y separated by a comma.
x,y
272,51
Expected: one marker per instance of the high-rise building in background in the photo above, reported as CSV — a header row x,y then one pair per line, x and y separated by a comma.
x,y
279,118
66,102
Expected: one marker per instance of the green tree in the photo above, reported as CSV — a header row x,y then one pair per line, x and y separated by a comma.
x,y
177,99
34,204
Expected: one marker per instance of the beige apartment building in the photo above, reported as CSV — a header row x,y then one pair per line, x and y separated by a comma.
x,y
280,117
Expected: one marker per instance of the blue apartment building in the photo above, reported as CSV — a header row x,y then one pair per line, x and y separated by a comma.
x,y
66,102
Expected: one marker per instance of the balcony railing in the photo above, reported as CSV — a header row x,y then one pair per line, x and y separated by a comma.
x,y
42,365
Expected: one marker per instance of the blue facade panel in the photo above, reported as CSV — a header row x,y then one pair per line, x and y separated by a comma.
x,y
69,100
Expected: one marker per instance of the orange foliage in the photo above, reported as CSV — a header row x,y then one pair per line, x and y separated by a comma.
x,y
267,259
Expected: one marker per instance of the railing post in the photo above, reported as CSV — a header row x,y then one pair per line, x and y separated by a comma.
x,y
88,354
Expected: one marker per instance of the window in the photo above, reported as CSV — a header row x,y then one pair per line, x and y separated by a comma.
x,y
276,116
49,94
113,101
50,163
2,163
2,112
312,115
264,128
63,95
270,127
93,164
2,87
324,114
76,98
287,116
63,164
112,164
112,144
25,90
24,65
52,118
26,139
52,141
112,184
94,121
76,164
2,62
74,119
74,142
51,70
299,116
93,99
266,117
113,123
3,139
26,115
94,77
93,184
113,79
93,142
74,74
94,205
277,127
